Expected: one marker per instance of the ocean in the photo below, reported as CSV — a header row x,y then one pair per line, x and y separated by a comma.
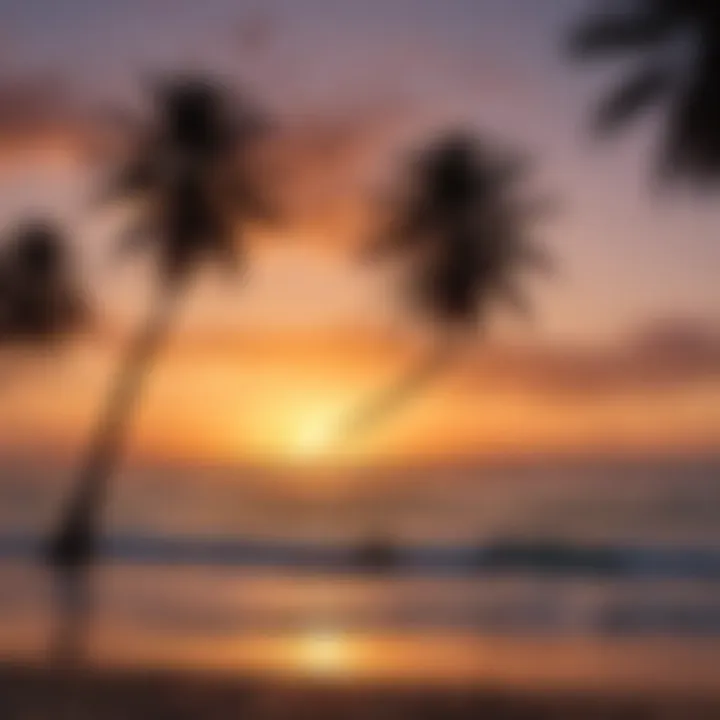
x,y
602,574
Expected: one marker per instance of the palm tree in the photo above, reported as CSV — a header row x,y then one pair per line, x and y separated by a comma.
x,y
40,297
190,179
41,303
462,227
673,47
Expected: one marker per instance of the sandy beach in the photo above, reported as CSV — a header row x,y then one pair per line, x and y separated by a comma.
x,y
37,692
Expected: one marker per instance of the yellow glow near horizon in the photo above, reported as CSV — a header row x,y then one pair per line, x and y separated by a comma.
x,y
284,404
316,436
323,652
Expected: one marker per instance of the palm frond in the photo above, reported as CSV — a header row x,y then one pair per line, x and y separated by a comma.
x,y
40,297
691,144
463,227
192,172
639,93
681,79
622,30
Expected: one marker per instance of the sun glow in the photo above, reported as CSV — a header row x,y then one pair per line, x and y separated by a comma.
x,y
323,652
316,436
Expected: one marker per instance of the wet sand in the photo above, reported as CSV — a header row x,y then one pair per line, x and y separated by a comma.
x,y
35,692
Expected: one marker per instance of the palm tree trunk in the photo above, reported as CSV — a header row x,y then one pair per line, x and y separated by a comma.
x,y
73,545
391,399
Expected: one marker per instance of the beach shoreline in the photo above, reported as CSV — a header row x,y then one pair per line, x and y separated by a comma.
x,y
40,691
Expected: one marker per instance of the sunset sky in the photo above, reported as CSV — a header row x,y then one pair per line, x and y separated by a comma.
x,y
624,353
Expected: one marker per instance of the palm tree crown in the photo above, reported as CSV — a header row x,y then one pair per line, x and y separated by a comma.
x,y
40,297
190,174
463,230
675,48
464,227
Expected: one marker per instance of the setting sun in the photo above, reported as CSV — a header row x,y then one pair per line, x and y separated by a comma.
x,y
341,376
314,437
323,652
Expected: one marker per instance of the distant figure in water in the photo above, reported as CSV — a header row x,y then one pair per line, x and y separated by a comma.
x,y
378,554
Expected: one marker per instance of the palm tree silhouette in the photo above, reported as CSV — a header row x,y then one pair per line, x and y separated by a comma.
x,y
40,297
191,180
463,229
674,46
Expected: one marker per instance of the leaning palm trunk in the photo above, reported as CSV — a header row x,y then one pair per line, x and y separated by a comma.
x,y
74,543
391,399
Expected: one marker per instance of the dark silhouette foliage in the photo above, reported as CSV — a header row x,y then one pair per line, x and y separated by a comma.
x,y
462,228
190,178
41,300
672,49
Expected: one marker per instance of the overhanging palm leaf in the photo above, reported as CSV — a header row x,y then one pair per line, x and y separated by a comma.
x,y
462,228
674,46
192,186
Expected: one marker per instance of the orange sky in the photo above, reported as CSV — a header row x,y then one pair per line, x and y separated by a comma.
x,y
624,355
258,397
